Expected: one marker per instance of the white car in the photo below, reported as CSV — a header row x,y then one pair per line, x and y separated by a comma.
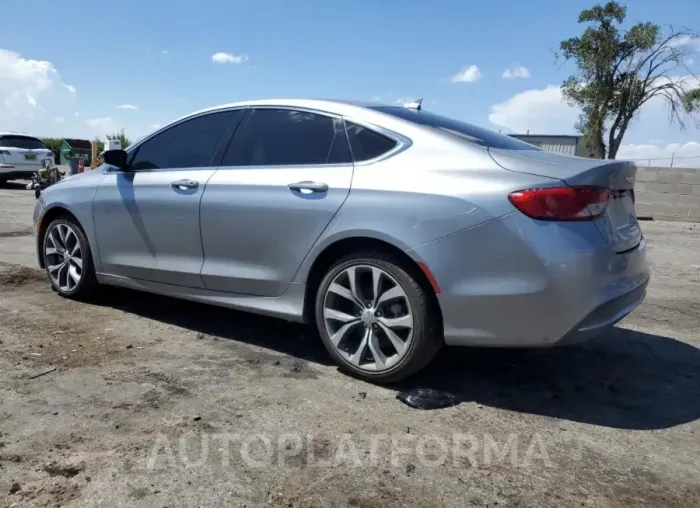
x,y
21,156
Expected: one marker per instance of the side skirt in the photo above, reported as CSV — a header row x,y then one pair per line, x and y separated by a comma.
x,y
289,306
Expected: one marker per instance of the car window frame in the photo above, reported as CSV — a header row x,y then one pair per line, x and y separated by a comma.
x,y
243,122
402,142
132,150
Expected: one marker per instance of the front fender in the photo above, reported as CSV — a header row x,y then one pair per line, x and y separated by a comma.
x,y
75,195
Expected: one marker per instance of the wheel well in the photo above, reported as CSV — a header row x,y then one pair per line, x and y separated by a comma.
x,y
53,214
346,246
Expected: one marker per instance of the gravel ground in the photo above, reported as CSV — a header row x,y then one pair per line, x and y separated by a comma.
x,y
156,402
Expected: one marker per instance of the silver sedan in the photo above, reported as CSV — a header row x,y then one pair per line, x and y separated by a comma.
x,y
394,229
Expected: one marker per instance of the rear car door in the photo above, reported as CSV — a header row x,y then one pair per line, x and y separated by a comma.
x,y
283,178
147,218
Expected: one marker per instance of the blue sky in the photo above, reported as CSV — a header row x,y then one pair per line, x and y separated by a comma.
x,y
157,56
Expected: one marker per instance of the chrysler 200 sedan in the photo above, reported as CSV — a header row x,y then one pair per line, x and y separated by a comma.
x,y
394,229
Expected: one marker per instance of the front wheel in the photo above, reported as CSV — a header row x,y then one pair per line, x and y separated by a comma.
x,y
375,318
68,259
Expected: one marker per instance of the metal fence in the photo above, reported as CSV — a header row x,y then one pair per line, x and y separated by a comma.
x,y
671,162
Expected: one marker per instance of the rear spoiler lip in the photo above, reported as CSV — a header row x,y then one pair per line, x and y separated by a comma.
x,y
611,174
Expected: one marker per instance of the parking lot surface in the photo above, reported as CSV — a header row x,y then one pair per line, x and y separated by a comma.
x,y
156,402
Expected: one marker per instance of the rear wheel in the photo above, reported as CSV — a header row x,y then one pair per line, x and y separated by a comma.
x,y
375,318
68,259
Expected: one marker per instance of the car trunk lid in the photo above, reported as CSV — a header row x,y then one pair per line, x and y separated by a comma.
x,y
618,224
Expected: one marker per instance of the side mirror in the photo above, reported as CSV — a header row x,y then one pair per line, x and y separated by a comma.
x,y
116,158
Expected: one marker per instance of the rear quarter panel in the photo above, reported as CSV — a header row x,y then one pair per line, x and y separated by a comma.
x,y
421,195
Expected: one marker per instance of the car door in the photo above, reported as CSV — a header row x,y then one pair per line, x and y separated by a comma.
x,y
147,218
285,175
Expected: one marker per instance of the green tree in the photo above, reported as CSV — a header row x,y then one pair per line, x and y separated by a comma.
x,y
53,144
121,136
618,71
100,145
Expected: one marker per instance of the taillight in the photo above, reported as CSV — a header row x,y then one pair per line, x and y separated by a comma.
x,y
561,203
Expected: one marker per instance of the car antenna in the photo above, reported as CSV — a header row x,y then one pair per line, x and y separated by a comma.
x,y
416,104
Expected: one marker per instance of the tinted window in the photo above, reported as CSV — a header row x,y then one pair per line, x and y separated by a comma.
x,y
367,144
277,137
21,142
189,144
483,137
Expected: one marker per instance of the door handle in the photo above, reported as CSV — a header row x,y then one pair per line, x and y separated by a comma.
x,y
184,184
308,186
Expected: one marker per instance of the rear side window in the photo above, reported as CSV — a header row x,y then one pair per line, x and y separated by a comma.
x,y
24,142
464,130
367,144
189,144
281,137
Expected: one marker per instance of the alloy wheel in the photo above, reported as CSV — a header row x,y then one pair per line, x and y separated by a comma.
x,y
64,257
368,318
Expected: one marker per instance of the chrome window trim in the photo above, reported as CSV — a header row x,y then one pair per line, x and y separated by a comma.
x,y
402,142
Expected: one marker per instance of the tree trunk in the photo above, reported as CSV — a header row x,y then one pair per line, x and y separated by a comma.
x,y
595,147
616,138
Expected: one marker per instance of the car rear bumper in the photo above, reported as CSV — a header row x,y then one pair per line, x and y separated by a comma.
x,y
518,282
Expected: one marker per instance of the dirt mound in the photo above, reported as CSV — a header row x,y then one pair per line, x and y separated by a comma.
x,y
15,276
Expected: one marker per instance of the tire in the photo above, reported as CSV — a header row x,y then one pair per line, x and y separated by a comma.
x,y
418,345
63,280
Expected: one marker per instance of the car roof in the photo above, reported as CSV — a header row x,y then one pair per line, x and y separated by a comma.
x,y
23,134
338,107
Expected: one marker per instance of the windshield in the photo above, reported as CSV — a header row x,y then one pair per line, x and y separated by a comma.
x,y
25,142
483,137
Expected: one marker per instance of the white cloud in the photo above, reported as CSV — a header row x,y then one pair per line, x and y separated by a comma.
x,y
544,111
687,40
678,154
540,111
59,119
222,57
467,74
70,88
126,106
28,88
516,72
102,126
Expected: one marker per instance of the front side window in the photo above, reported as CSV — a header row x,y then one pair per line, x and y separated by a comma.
x,y
24,142
189,144
280,137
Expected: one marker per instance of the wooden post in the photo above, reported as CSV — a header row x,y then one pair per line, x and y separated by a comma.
x,y
93,155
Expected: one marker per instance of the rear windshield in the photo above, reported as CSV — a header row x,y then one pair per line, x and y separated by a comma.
x,y
483,137
21,142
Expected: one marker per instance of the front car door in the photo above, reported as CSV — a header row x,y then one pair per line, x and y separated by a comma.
x,y
147,218
285,175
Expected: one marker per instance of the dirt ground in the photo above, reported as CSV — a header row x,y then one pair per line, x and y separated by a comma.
x,y
156,402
